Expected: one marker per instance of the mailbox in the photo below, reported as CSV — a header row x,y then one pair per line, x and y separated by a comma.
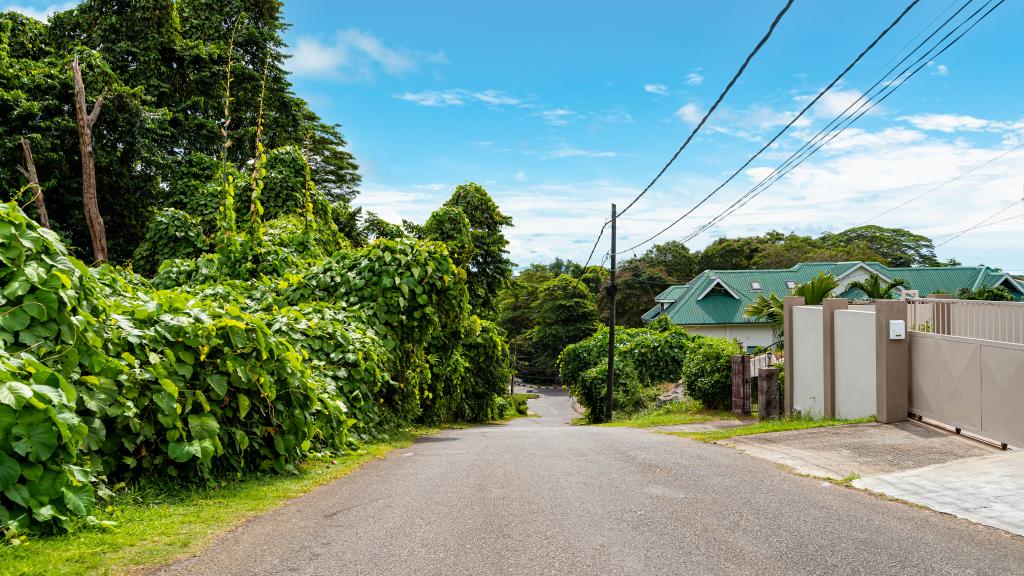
x,y
897,330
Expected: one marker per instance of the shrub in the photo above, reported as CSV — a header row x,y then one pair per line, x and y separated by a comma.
x,y
707,371
171,234
644,358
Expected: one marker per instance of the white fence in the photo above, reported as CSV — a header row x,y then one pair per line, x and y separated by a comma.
x,y
976,319
808,362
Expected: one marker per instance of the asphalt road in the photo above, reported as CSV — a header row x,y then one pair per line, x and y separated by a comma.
x,y
539,496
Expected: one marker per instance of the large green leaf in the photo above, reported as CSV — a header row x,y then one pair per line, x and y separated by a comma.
x,y
37,440
14,319
203,426
9,471
14,394
183,451
80,499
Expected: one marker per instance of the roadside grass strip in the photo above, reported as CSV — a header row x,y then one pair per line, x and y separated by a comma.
x,y
767,426
156,525
682,412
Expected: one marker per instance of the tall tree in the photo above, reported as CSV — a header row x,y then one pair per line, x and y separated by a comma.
x,y
674,259
564,314
896,245
30,174
86,120
489,268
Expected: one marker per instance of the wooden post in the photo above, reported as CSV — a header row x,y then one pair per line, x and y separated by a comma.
x,y
741,385
86,119
29,172
768,393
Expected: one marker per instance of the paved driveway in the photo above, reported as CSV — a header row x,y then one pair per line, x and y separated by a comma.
x,y
539,496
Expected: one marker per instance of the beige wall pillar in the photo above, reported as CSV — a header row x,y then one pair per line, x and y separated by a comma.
x,y
892,364
828,310
787,342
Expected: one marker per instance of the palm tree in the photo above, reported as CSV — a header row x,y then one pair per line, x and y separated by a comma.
x,y
770,309
817,289
875,290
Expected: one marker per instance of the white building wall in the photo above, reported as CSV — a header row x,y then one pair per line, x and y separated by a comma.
x,y
808,368
855,363
748,335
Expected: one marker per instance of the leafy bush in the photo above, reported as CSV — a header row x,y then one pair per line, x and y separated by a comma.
x,y
644,358
707,371
171,234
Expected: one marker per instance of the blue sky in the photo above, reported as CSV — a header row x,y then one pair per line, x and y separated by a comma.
x,y
560,109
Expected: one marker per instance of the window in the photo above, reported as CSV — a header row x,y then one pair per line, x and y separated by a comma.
x,y
790,284
752,349
755,286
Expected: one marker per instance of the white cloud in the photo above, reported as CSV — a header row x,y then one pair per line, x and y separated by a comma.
x,y
434,98
39,13
497,97
520,175
564,150
356,55
656,89
689,113
694,79
616,116
960,123
458,97
938,69
558,116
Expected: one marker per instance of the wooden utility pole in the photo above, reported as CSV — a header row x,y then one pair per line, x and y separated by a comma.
x,y
29,172
612,288
86,119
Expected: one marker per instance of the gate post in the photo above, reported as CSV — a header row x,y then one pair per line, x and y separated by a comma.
x,y
828,320
741,385
788,303
892,364
767,393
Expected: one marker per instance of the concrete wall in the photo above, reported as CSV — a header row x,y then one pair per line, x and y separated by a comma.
x,y
808,380
748,335
854,363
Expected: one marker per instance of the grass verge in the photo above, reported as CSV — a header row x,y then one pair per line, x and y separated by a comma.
x,y
156,525
766,426
682,412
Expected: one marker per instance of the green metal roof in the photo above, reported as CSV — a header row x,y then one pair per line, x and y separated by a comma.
x,y
721,296
670,294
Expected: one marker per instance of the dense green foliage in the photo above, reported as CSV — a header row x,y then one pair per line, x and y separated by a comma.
x,y
160,65
995,293
645,358
228,362
563,313
707,371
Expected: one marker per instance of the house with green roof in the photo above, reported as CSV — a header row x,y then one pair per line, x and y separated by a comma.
x,y
713,303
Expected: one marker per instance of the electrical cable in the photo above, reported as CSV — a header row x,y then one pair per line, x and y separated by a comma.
x,y
778,135
902,77
714,106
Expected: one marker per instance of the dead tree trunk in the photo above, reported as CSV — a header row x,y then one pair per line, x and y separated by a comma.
x,y
86,119
29,171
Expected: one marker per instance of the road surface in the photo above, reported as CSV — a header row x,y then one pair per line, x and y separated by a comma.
x,y
540,496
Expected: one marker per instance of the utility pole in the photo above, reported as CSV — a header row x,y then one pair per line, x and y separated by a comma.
x,y
612,288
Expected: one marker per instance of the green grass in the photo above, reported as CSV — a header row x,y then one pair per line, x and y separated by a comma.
x,y
156,525
766,426
530,396
682,412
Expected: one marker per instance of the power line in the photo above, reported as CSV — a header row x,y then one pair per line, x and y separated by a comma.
x,y
594,247
891,86
942,185
786,127
981,224
711,110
